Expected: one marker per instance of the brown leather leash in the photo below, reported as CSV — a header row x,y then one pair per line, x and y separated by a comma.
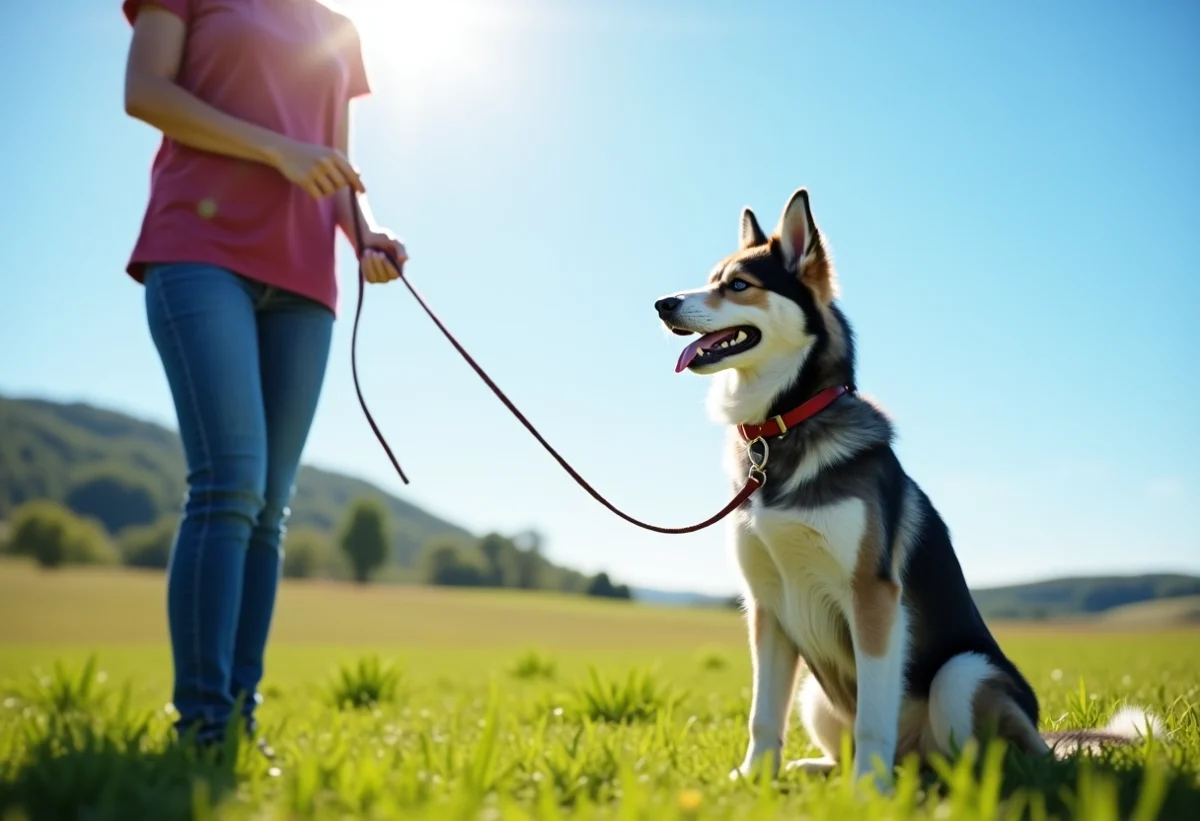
x,y
757,475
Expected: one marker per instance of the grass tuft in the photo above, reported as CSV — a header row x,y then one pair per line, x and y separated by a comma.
x,y
364,684
533,664
639,697
66,690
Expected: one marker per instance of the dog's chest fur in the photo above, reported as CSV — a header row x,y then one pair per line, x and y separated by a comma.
x,y
798,564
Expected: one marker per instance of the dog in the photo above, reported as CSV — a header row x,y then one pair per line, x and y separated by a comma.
x,y
845,562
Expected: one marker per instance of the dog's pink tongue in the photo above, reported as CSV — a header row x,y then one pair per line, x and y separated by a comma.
x,y
693,349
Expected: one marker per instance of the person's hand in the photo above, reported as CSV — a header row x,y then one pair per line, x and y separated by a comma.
x,y
383,256
317,169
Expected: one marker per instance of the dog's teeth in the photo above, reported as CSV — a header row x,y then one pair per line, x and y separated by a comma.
x,y
740,337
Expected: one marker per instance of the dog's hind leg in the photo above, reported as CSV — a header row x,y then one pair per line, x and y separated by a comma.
x,y
825,728
879,630
968,697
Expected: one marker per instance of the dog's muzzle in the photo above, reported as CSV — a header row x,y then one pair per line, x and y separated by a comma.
x,y
667,306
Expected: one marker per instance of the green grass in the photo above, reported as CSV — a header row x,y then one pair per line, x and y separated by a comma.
x,y
415,704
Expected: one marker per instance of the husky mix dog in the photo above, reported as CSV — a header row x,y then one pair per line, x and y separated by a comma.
x,y
846,564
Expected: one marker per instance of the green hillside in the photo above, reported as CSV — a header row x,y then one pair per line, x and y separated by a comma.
x,y
1182,610
126,472
1081,595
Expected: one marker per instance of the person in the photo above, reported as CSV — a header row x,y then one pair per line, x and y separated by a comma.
x,y
236,256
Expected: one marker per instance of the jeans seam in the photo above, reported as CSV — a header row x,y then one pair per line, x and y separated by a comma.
x,y
202,536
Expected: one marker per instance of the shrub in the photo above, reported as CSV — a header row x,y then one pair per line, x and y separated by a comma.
x,y
52,535
149,546
89,543
307,553
453,564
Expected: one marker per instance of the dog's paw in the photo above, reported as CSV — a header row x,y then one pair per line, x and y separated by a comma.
x,y
878,779
747,772
755,763
812,766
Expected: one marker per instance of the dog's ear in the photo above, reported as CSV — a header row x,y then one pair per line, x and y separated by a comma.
x,y
796,230
803,249
749,232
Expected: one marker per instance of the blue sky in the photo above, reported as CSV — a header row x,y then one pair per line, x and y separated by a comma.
x,y
1010,192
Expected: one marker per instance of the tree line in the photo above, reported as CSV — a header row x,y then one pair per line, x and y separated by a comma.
x,y
52,535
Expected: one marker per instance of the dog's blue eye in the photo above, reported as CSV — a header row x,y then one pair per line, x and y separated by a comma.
x,y
739,284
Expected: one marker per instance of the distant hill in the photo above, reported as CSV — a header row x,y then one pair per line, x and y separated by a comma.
x,y
1181,611
1161,598
125,472
1080,595
680,598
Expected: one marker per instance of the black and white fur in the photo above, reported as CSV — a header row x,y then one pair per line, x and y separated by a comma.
x,y
846,563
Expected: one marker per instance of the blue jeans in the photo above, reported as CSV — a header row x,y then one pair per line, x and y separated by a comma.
x,y
245,363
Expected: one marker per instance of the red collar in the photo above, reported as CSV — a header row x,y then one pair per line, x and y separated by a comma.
x,y
779,425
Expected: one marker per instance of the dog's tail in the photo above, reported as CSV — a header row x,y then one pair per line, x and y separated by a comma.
x,y
1129,725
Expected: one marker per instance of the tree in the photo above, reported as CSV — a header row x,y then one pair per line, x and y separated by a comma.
x,y
35,522
452,564
364,538
601,586
495,549
531,568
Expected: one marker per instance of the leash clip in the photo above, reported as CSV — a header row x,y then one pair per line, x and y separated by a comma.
x,y
758,466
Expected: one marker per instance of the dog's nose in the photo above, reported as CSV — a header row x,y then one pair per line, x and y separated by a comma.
x,y
667,304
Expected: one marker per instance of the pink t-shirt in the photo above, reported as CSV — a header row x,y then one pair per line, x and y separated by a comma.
x,y
287,65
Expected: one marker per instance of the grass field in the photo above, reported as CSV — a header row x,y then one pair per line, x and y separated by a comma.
x,y
502,705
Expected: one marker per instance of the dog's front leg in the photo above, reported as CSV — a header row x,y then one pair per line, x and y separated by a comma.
x,y
776,661
880,636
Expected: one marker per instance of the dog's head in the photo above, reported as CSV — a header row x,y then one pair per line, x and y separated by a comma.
x,y
764,305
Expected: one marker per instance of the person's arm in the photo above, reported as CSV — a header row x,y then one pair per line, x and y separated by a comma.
x,y
153,96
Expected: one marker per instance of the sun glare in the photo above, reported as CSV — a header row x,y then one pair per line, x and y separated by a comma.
x,y
425,47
